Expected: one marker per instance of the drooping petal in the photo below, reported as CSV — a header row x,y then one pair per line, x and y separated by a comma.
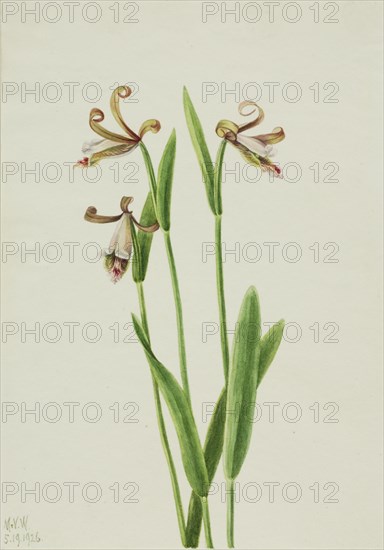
x,y
121,242
95,117
256,121
122,92
91,215
275,136
115,151
96,145
151,125
146,228
255,145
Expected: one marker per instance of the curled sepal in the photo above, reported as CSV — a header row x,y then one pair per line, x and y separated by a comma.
x,y
91,215
124,203
227,130
96,116
275,136
122,92
151,125
260,116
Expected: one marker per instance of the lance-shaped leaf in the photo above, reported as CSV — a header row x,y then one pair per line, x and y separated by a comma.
x,y
242,384
148,217
164,183
269,344
137,271
180,410
200,146
217,183
213,447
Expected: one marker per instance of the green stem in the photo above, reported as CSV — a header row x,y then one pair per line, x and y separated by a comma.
x,y
162,428
221,297
207,522
150,172
179,314
230,513
175,282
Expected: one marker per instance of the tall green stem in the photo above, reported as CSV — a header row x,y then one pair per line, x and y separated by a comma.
x,y
207,522
175,282
162,428
221,297
179,314
215,429
230,513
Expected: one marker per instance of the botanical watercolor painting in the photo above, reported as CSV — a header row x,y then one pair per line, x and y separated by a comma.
x,y
247,358
191,295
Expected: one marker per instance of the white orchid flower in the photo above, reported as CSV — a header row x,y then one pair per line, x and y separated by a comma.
x,y
256,150
112,144
116,259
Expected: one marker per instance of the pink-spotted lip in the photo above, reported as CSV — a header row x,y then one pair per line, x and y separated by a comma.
x,y
83,162
118,269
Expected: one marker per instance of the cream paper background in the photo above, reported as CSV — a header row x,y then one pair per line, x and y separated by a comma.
x,y
168,47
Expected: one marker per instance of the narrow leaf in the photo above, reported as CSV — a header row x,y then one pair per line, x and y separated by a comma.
x,y
217,180
182,416
200,146
242,383
164,183
213,449
269,344
137,273
148,217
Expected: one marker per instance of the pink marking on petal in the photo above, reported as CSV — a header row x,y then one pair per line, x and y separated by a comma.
x,y
83,162
117,270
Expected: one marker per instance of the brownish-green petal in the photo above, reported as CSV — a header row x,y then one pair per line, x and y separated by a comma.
x,y
122,92
275,136
124,204
256,121
95,117
91,215
227,129
151,125
147,229
114,151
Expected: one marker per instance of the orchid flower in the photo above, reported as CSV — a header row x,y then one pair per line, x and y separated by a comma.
x,y
117,258
112,144
256,150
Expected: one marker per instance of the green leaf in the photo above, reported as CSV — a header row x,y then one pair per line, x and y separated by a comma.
x,y
200,146
217,183
137,273
215,437
148,217
269,344
213,448
182,416
242,384
164,183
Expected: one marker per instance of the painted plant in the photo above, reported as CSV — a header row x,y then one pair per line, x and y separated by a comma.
x,y
228,436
